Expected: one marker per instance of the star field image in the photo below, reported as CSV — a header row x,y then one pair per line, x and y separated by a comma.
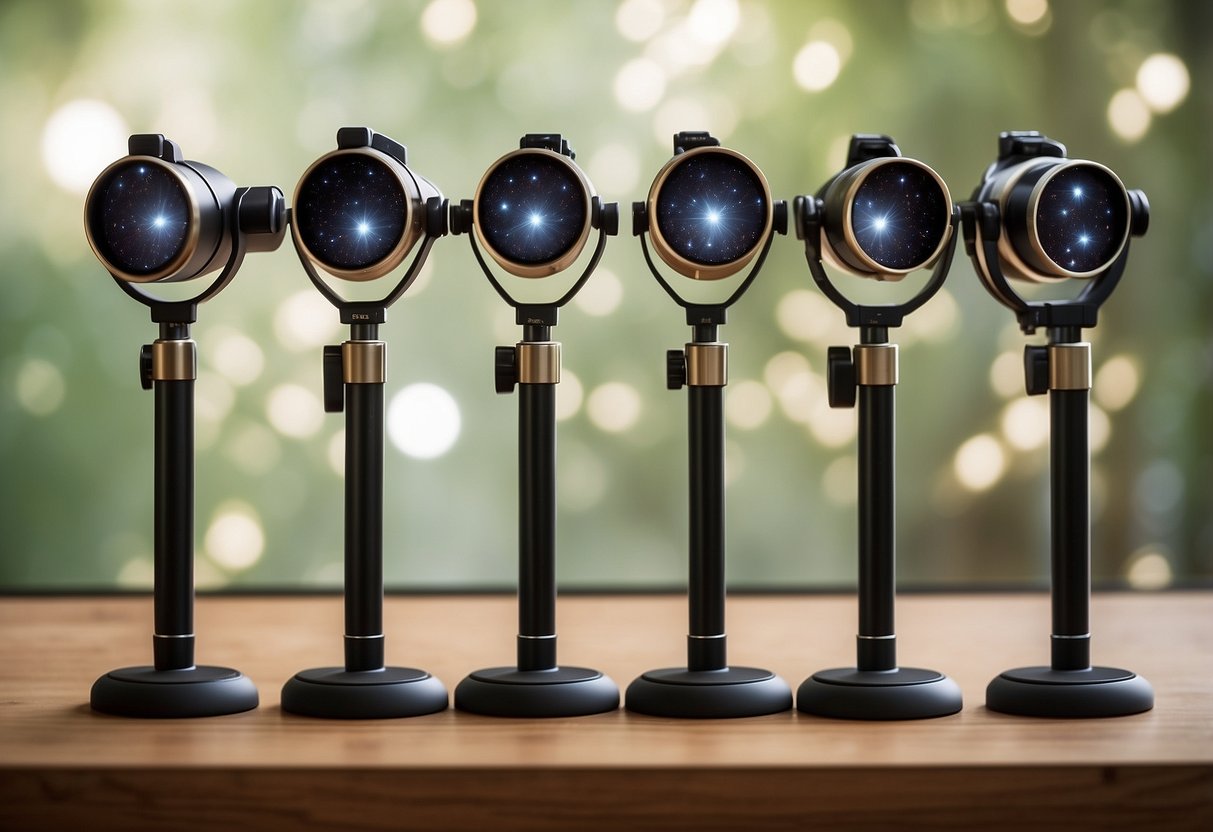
x,y
899,215
350,211
1081,218
140,218
532,209
712,209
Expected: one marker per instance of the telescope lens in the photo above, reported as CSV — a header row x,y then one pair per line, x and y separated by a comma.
x,y
1082,218
899,215
532,209
139,216
350,211
712,209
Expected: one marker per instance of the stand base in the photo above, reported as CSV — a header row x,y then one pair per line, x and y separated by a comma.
x,y
172,694
709,694
387,693
903,693
560,691
1094,692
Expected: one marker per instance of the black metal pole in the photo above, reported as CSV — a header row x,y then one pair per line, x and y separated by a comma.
x,y
1069,469
364,649
536,519
706,644
876,645
173,547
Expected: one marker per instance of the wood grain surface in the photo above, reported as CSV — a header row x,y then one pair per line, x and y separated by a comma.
x,y
62,766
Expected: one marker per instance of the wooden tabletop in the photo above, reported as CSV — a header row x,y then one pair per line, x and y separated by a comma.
x,y
60,762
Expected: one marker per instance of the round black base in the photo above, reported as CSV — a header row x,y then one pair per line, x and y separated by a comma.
x,y
709,694
386,693
1094,692
172,694
904,693
561,691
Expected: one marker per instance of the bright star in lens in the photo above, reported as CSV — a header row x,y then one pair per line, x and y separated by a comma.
x,y
1077,193
536,220
364,228
880,224
713,217
159,221
1084,239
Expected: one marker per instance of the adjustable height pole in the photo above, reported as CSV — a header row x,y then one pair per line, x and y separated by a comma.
x,y
363,375
708,686
1070,496
364,687
536,686
706,375
538,371
174,366
173,685
866,376
876,375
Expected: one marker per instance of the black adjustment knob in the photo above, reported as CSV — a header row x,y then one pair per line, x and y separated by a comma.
x,y
1036,370
841,383
779,217
675,369
505,369
334,380
145,366
640,218
460,217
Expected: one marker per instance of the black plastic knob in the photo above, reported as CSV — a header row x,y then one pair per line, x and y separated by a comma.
x,y
1036,370
460,217
640,218
675,369
841,382
505,369
334,380
145,366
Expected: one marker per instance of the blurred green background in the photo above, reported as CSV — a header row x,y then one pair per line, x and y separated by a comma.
x,y
258,90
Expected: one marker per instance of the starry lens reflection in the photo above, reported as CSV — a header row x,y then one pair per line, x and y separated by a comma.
x,y
532,209
899,215
140,216
1082,218
351,211
712,208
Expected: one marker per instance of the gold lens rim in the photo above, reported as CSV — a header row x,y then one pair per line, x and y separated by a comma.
x,y
558,264
680,264
412,223
192,238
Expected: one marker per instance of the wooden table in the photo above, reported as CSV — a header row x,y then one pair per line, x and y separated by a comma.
x,y
63,767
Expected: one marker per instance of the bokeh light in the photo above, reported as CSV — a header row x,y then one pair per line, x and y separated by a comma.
x,y
816,65
639,85
423,421
979,463
1163,82
614,407
80,139
234,537
294,411
1128,115
448,22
